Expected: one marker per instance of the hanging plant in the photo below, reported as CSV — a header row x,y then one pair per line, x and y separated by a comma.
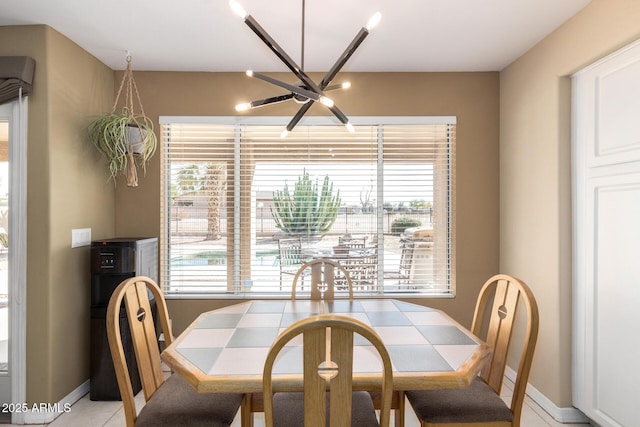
x,y
126,138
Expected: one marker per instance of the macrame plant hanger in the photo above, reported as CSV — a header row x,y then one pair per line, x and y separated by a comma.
x,y
125,137
128,83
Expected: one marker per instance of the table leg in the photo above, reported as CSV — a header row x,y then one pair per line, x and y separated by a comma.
x,y
246,414
399,408
397,405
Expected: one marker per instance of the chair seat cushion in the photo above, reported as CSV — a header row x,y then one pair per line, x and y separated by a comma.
x,y
476,403
288,410
176,403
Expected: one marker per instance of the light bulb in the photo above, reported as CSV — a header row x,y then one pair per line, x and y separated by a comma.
x,y
350,127
284,133
243,107
238,9
346,85
326,101
373,21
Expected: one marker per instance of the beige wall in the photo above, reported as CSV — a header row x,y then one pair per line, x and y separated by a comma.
x,y
535,166
65,190
471,97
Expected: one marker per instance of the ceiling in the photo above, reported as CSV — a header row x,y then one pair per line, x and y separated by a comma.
x,y
205,35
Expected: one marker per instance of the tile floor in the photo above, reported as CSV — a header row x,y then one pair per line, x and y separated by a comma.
x,y
87,413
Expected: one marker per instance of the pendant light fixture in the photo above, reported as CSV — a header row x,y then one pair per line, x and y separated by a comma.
x,y
305,91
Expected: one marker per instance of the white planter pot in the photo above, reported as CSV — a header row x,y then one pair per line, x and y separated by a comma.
x,y
135,137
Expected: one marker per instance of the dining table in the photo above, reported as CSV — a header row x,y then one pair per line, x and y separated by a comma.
x,y
224,350
338,253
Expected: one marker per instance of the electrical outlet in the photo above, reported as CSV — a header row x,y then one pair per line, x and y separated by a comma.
x,y
80,237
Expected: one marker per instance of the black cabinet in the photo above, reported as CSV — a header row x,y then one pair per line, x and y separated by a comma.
x,y
113,261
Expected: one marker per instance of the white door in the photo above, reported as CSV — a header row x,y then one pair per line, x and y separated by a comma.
x,y
606,188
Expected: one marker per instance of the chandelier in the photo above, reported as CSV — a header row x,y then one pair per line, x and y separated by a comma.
x,y
305,91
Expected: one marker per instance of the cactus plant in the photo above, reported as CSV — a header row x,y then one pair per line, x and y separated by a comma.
x,y
308,211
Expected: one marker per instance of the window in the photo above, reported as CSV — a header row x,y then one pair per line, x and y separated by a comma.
x,y
236,195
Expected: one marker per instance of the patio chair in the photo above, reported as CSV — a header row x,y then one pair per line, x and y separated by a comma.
x,y
328,366
480,405
289,257
403,274
362,265
171,401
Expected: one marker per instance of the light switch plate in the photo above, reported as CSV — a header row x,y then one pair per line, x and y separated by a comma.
x,y
80,237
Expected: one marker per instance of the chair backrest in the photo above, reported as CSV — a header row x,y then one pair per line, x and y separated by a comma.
x,y
133,295
494,319
362,265
370,267
406,257
323,278
328,342
290,251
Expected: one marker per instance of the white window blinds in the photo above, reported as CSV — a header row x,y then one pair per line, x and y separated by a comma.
x,y
244,208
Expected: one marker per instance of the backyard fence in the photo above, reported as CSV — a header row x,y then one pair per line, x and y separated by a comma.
x,y
192,221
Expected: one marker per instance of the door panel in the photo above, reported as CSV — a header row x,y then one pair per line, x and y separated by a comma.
x,y
616,296
616,128
606,230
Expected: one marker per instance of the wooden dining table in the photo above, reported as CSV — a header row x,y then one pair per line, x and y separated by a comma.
x,y
224,350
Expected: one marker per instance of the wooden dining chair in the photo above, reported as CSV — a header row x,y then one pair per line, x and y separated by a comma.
x,y
328,354
322,274
169,402
480,405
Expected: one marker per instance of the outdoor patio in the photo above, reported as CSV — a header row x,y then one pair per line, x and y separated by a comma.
x,y
208,260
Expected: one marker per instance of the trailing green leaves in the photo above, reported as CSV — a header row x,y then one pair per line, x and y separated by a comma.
x,y
117,135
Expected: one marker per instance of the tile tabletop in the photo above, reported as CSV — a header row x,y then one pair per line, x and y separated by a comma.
x,y
225,349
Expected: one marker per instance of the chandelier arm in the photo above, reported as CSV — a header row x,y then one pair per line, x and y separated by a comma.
x,y
348,52
339,115
295,89
324,85
271,100
333,87
295,119
355,43
303,110
281,54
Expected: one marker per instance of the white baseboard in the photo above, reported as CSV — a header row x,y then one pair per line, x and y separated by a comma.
x,y
569,415
46,413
